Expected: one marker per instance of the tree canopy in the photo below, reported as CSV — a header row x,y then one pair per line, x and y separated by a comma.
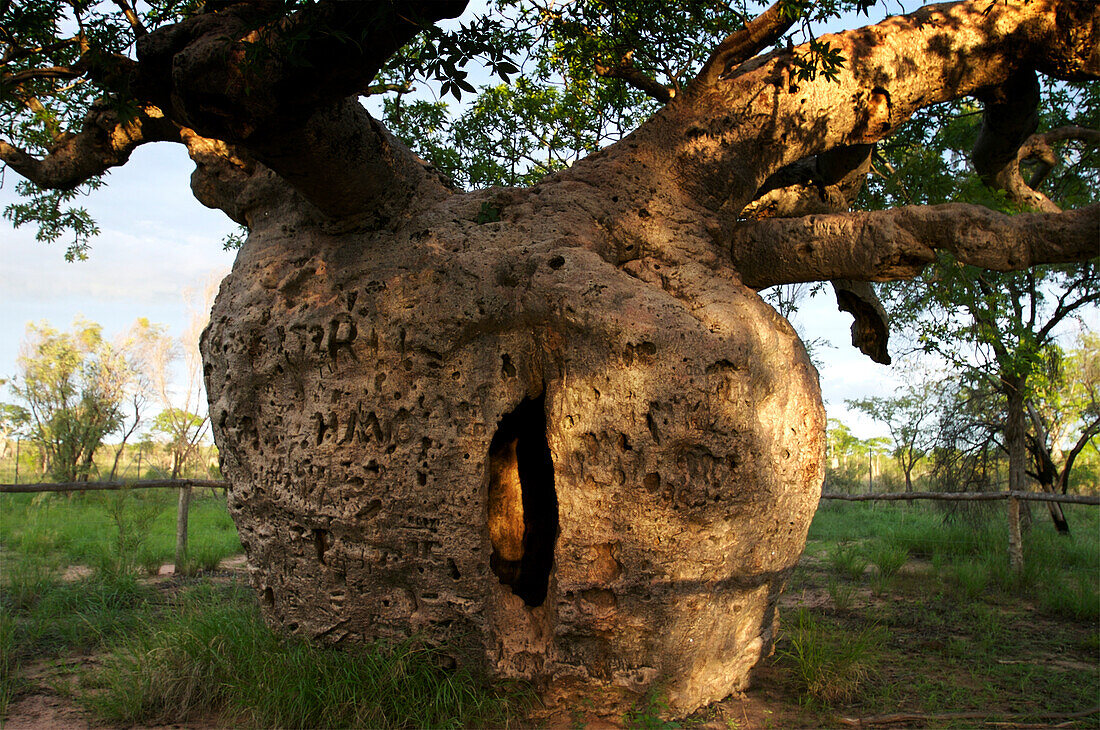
x,y
242,84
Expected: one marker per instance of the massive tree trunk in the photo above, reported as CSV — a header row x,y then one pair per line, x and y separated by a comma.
x,y
359,385
554,429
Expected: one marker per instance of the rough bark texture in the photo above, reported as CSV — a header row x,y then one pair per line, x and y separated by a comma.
x,y
361,384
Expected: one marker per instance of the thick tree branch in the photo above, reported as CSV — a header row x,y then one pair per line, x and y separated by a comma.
x,y
132,18
825,183
758,34
1011,114
828,183
279,88
870,325
13,80
221,174
1005,141
740,129
234,74
105,141
898,244
626,71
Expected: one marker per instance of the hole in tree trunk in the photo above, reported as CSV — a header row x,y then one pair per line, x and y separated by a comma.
x,y
523,507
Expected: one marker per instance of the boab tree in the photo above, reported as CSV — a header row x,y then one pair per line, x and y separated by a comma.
x,y
553,426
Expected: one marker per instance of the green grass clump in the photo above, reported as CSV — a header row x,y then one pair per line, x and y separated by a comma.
x,y
9,661
888,559
67,616
829,662
218,656
843,594
205,555
848,560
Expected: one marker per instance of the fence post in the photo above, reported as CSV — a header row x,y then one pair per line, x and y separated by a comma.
x,y
18,442
181,527
1015,537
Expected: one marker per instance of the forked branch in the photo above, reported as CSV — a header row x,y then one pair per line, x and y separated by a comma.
x,y
626,71
758,34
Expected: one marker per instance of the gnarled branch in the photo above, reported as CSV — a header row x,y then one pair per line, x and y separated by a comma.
x,y
899,243
1038,147
758,34
625,70
825,183
105,141
742,128
283,90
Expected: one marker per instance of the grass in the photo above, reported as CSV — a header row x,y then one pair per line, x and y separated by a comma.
x,y
190,648
830,665
848,560
213,654
958,630
119,531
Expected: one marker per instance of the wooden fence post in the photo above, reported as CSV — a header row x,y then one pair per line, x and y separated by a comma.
x,y
181,527
1015,537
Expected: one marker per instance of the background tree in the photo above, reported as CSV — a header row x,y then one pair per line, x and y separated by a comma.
x,y
1064,411
1007,320
73,384
13,423
909,416
136,346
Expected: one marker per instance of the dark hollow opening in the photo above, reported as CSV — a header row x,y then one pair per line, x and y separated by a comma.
x,y
523,507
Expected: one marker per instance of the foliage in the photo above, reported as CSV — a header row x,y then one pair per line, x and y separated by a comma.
x,y
132,514
908,416
13,419
73,384
995,328
847,457
1064,410
183,430
926,161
